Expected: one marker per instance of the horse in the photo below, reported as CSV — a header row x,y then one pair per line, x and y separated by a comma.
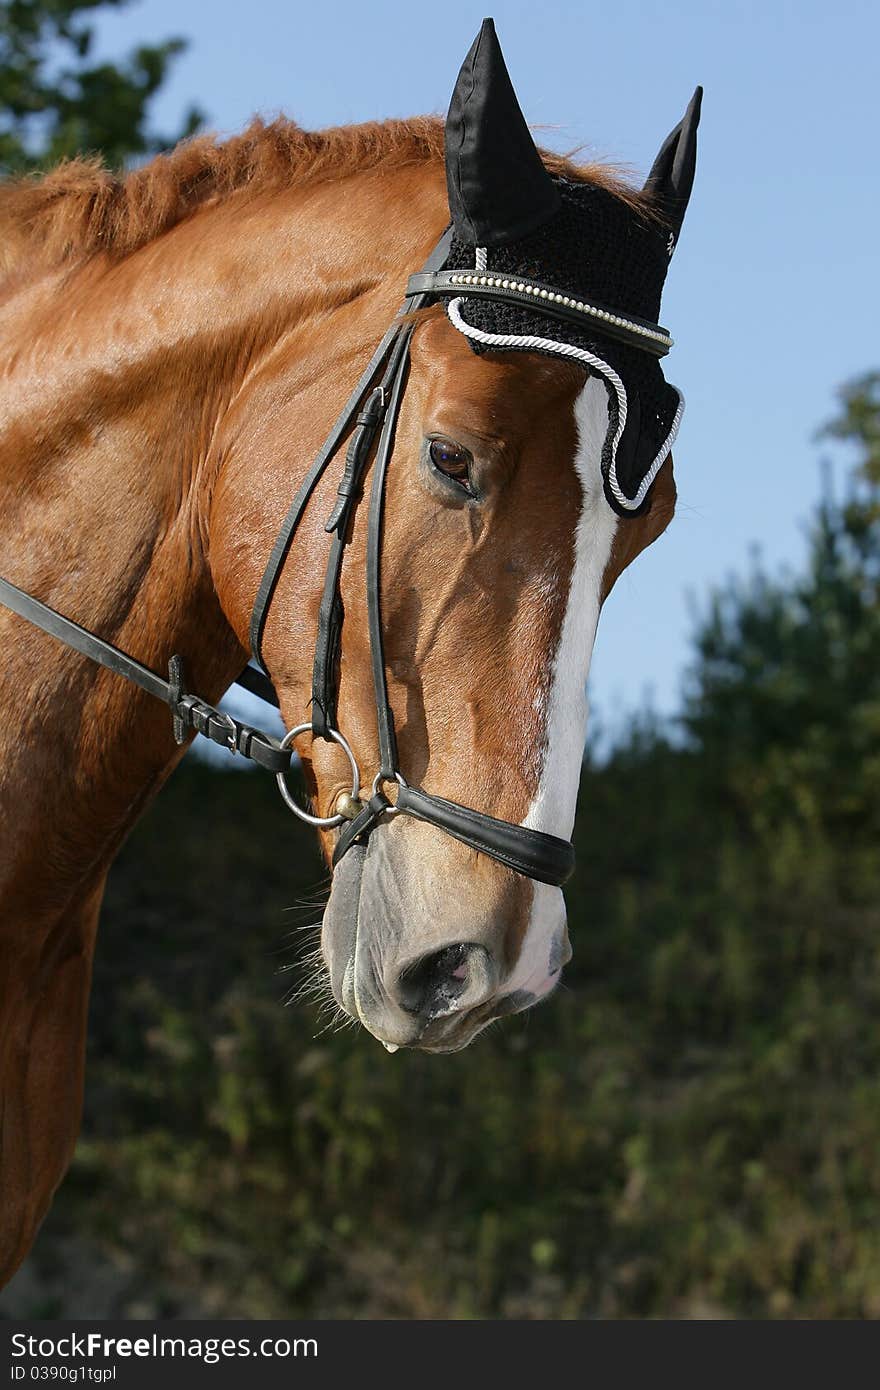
x,y
177,341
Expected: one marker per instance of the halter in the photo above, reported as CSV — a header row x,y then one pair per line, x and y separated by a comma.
x,y
371,409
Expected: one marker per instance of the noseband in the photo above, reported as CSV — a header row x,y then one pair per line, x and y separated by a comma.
x,y
372,408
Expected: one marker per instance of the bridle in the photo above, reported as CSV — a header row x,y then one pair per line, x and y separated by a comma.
x,y
373,408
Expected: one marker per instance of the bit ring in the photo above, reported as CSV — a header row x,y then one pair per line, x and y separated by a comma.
x,y
322,822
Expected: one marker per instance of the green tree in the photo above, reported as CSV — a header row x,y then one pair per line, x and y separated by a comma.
x,y
784,698
858,423
55,102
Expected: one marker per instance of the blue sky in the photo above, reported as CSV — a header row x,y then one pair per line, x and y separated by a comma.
x,y
772,297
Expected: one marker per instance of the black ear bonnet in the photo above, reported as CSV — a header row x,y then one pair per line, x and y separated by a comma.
x,y
512,219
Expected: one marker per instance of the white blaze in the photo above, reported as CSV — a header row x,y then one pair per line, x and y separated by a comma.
x,y
565,712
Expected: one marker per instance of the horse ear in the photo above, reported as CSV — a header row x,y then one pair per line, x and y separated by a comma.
x,y
672,174
498,187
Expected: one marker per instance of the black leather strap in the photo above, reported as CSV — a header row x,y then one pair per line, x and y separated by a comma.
x,y
384,714
275,563
188,711
360,827
325,670
447,284
259,684
529,852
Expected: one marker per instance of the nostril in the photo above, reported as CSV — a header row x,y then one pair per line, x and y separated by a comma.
x,y
439,982
440,973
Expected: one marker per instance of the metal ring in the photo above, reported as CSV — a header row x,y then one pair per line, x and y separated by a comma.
x,y
397,777
322,822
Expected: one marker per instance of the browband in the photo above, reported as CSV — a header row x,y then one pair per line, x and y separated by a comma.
x,y
635,332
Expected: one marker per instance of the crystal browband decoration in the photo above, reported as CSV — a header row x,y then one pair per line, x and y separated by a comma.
x,y
552,296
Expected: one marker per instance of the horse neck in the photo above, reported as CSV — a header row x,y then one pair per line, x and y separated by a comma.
x,y
94,493
122,375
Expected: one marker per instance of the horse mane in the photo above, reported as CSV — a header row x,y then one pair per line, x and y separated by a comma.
x,y
82,208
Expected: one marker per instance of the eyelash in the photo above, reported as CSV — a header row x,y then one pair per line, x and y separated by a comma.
x,y
463,482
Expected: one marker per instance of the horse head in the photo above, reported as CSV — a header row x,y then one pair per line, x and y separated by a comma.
x,y
528,465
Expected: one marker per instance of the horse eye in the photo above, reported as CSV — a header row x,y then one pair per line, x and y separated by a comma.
x,y
453,460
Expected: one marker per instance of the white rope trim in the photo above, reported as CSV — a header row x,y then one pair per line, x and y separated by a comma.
x,y
480,258
527,342
537,291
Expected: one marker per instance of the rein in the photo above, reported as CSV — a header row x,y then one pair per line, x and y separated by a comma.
x,y
371,409
188,711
